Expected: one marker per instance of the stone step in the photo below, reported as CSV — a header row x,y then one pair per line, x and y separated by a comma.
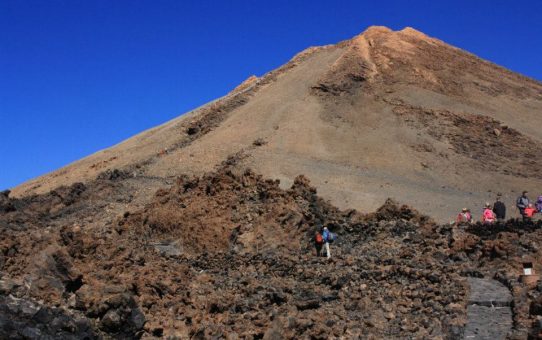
x,y
489,315
487,292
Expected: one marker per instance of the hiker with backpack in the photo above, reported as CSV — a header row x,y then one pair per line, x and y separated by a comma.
x,y
488,216
499,209
538,204
328,237
522,202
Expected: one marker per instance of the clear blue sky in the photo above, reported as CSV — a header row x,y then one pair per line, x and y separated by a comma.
x,y
79,76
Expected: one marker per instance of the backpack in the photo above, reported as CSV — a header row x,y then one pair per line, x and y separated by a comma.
x,y
331,237
319,239
463,217
529,212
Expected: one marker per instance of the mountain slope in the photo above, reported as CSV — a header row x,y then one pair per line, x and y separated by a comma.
x,y
384,114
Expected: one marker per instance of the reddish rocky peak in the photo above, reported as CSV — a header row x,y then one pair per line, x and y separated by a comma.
x,y
371,30
412,31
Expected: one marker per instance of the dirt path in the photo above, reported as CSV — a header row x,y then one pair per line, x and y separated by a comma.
x,y
489,313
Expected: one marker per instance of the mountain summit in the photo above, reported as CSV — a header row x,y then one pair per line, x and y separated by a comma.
x,y
385,114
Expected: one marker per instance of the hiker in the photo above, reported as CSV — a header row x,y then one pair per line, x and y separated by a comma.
x,y
488,216
318,243
464,216
326,237
529,212
538,204
499,209
522,202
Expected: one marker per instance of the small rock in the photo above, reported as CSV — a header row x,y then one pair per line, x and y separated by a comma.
x,y
259,142
273,333
31,333
7,285
111,321
137,319
192,130
389,316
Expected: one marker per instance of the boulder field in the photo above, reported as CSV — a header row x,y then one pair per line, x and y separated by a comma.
x,y
231,255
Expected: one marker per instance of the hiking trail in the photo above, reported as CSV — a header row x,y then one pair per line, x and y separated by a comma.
x,y
489,313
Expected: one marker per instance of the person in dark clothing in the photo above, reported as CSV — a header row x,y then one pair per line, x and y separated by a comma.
x,y
499,209
522,203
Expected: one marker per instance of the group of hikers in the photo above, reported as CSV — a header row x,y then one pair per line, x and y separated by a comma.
x,y
491,214
497,212
322,240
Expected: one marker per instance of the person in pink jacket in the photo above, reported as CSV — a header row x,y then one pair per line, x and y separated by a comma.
x,y
464,217
488,216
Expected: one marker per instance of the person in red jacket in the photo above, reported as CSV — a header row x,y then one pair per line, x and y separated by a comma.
x,y
529,212
318,243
